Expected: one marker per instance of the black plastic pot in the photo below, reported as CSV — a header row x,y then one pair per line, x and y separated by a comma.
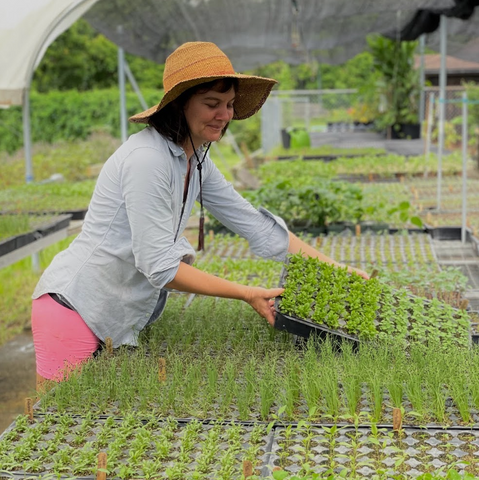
x,y
406,131
340,227
316,231
285,138
374,227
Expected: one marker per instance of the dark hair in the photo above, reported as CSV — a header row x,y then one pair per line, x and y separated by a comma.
x,y
170,121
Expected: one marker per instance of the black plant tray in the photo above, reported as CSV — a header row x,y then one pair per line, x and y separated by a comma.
x,y
449,233
326,157
58,223
14,243
8,245
305,328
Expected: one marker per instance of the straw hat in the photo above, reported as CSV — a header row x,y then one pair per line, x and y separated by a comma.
x,y
198,62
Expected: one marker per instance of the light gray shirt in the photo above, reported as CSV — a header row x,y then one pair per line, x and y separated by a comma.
x,y
113,274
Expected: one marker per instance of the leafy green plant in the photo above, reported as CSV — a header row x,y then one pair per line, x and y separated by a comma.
x,y
398,86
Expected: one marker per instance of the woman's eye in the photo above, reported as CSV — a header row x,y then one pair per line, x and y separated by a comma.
x,y
211,106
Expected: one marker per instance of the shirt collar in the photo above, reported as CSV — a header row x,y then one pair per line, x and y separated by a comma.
x,y
178,151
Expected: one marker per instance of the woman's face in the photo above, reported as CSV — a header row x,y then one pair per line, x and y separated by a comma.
x,y
207,114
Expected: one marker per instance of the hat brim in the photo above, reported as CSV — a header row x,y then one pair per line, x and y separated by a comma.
x,y
251,94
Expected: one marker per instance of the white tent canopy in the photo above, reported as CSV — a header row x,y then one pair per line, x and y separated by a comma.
x,y
27,28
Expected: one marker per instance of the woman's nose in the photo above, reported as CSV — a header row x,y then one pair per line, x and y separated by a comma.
x,y
224,113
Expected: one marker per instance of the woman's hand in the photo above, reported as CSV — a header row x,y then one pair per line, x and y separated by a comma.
x,y
262,300
360,272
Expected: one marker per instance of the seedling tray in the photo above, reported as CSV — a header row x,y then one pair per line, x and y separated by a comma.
x,y
305,328
389,312
18,241
285,445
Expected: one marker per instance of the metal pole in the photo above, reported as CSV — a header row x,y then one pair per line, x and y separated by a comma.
x,y
464,166
135,86
27,145
442,106
121,86
430,117
27,140
422,79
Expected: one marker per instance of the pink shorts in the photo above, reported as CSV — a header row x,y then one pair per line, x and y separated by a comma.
x,y
61,338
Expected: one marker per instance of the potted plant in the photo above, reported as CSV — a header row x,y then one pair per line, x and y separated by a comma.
x,y
397,86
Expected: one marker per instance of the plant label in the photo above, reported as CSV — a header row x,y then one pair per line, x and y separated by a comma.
x,y
101,471
397,419
247,469
162,370
29,408
109,345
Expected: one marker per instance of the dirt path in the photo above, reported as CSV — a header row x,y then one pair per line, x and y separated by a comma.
x,y
17,377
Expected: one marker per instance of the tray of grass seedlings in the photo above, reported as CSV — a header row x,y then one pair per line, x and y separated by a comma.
x,y
135,447
322,299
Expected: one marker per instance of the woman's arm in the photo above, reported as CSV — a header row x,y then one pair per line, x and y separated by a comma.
x,y
297,245
190,279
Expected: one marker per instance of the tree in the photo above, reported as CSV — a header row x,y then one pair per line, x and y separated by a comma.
x,y
82,59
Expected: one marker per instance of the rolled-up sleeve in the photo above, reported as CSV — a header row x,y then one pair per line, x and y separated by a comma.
x,y
267,234
146,185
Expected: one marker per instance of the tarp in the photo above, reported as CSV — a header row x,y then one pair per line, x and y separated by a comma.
x,y
254,32
27,28
251,32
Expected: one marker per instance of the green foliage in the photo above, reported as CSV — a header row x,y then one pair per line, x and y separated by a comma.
x,y
355,73
248,132
70,115
398,86
82,59
353,305
310,204
48,197
472,90
280,71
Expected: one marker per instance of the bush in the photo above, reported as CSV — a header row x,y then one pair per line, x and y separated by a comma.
x,y
70,115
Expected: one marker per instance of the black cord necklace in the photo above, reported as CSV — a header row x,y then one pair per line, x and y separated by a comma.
x,y
199,166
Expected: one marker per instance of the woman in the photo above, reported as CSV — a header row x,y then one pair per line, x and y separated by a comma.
x,y
114,278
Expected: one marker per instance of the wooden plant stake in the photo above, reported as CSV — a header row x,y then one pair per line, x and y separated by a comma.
x,y
162,369
464,304
101,471
109,345
247,469
374,273
358,230
397,419
211,234
29,408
